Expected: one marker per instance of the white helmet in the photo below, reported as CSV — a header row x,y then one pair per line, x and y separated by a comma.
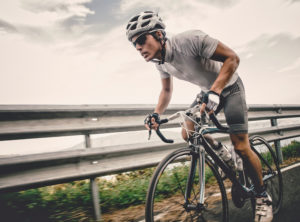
x,y
144,22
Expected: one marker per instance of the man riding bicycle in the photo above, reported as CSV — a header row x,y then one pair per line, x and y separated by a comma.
x,y
196,57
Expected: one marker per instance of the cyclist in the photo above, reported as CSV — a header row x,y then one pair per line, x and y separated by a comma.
x,y
196,57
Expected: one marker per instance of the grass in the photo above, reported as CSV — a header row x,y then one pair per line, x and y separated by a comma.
x,y
72,201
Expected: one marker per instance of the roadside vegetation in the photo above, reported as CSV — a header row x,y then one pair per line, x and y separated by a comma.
x,y
73,202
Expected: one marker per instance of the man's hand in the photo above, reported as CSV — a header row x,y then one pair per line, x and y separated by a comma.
x,y
151,121
210,102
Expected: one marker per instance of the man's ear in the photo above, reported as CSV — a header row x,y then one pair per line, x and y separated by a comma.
x,y
159,34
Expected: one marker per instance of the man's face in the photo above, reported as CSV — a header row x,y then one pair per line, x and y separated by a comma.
x,y
147,45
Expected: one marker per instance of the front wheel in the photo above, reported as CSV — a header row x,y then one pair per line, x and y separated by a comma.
x,y
167,190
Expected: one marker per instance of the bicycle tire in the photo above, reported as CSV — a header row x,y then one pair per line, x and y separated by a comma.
x,y
274,185
165,196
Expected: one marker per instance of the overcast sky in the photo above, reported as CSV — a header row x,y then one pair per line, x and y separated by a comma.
x,y
76,51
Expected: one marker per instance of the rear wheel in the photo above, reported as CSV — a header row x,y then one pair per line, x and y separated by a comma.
x,y
270,169
166,193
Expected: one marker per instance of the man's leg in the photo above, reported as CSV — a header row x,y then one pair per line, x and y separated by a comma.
x,y
242,147
263,208
184,132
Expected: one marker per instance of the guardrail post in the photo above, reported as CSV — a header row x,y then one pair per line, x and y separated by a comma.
x,y
277,142
94,186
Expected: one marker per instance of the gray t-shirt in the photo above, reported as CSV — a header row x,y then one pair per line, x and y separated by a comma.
x,y
187,58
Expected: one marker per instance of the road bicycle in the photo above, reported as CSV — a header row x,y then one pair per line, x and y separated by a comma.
x,y
187,186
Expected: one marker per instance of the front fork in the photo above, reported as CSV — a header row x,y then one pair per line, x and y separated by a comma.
x,y
201,174
198,155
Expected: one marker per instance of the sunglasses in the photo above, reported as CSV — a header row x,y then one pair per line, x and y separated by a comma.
x,y
140,40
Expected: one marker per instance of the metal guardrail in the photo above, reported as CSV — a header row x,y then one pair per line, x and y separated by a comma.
x,y
29,171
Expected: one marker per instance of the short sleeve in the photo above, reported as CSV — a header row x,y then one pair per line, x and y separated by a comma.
x,y
209,46
198,43
163,73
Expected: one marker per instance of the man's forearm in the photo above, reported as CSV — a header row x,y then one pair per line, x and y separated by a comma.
x,y
163,101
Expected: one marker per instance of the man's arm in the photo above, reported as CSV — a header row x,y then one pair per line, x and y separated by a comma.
x,y
230,63
164,99
165,95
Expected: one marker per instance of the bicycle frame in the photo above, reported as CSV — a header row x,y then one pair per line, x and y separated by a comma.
x,y
266,177
200,146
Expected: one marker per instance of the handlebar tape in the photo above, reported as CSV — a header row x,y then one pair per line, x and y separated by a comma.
x,y
163,121
160,135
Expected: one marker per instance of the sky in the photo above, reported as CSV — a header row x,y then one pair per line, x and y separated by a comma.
x,y
76,51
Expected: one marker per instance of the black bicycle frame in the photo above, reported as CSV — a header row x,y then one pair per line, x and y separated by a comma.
x,y
264,161
199,140
228,171
220,163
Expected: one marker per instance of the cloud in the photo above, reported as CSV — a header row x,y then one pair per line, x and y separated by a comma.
x,y
7,27
56,19
294,66
106,17
105,12
180,15
82,17
270,66
68,43
70,15
273,53
67,8
170,5
294,1
221,3
35,34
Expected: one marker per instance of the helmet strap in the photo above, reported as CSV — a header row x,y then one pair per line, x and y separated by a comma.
x,y
163,50
162,42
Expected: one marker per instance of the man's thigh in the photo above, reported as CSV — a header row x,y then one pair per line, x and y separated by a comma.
x,y
235,109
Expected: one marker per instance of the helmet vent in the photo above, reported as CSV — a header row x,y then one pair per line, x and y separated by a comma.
x,y
147,16
148,12
157,26
134,19
145,23
133,27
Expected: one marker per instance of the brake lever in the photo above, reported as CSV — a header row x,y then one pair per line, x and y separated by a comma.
x,y
150,130
158,131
